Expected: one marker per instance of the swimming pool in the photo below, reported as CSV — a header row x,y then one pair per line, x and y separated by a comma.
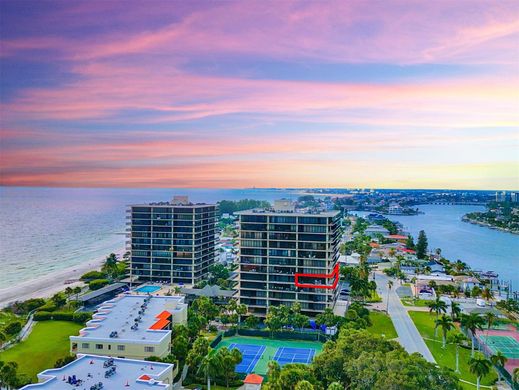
x,y
148,289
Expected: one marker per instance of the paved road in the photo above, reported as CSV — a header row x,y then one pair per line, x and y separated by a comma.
x,y
408,335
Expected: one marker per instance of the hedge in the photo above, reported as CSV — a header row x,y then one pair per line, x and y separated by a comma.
x,y
277,335
97,284
79,318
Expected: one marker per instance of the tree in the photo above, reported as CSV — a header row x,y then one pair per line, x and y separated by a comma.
x,y
205,307
421,245
409,244
277,316
487,294
216,272
13,328
228,360
3,337
8,374
110,266
472,322
77,291
437,306
457,339
59,299
335,386
180,347
446,324
490,318
499,360
476,292
198,351
455,310
211,366
252,322
389,285
479,366
304,385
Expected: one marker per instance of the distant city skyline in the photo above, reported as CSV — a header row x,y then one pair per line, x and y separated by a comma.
x,y
358,94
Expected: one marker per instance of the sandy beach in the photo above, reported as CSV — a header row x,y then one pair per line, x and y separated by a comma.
x,y
50,284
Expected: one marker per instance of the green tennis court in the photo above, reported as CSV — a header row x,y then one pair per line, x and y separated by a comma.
x,y
270,350
506,344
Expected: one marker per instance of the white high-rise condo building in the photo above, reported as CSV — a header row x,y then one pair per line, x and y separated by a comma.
x,y
288,255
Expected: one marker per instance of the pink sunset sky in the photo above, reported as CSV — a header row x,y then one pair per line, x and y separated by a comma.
x,y
386,94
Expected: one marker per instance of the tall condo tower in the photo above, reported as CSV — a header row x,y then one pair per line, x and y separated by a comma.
x,y
171,242
288,255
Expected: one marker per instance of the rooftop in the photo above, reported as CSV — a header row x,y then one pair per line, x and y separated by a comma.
x,y
90,369
119,315
295,212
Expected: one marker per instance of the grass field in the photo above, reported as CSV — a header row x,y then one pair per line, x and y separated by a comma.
x,y
424,321
381,325
271,345
47,343
415,302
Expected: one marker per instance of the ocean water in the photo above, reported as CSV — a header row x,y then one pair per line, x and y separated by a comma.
x,y
48,229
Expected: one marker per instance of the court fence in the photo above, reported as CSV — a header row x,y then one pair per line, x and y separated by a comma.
x,y
282,335
485,350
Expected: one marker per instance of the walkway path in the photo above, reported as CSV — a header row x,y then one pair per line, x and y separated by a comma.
x,y
408,335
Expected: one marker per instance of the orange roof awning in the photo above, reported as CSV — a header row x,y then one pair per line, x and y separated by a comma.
x,y
160,324
253,379
145,377
164,315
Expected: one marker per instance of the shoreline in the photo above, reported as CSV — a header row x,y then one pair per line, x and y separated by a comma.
x,y
487,225
48,285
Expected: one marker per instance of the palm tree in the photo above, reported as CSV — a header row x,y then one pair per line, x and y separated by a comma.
x,y
457,339
479,366
490,317
455,310
487,294
437,306
498,360
389,285
472,322
77,291
445,322
515,375
211,367
460,266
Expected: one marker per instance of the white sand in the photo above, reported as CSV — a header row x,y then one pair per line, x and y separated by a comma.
x,y
48,285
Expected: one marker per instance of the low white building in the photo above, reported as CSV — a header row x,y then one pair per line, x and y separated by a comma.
x,y
89,371
131,326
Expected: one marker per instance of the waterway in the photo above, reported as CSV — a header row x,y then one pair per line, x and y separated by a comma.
x,y
480,247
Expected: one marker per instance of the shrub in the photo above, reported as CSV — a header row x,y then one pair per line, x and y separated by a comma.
x,y
49,306
92,275
13,328
79,318
98,283
64,361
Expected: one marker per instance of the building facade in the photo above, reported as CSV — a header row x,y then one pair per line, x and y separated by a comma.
x,y
131,326
172,242
286,256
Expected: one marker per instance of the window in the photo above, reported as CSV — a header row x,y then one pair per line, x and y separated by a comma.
x,y
99,346
149,349
85,345
120,348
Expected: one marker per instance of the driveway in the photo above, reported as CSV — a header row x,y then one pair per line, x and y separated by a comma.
x,y
408,335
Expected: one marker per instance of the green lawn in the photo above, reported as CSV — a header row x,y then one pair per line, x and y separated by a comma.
x,y
424,321
381,325
47,343
415,302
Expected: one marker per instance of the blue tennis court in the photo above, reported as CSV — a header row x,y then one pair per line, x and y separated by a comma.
x,y
287,355
250,356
